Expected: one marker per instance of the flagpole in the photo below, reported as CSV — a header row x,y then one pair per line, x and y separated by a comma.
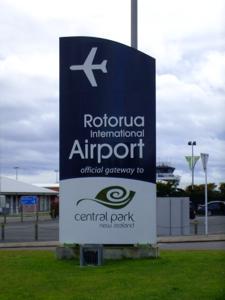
x,y
205,157
134,21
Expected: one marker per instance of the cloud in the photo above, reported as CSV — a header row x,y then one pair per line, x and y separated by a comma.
x,y
185,37
186,112
210,71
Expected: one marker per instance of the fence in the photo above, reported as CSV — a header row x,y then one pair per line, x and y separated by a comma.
x,y
12,229
173,218
31,227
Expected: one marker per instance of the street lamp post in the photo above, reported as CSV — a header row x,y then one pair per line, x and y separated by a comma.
x,y
56,175
192,144
16,168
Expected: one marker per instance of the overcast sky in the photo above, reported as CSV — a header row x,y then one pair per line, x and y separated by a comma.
x,y
187,39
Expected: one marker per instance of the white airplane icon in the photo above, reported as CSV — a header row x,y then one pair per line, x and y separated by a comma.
x,y
88,67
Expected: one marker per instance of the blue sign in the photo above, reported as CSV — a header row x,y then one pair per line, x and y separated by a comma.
x,y
29,200
107,143
107,110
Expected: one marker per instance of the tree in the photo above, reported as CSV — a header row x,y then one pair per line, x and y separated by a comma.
x,y
222,188
197,196
168,189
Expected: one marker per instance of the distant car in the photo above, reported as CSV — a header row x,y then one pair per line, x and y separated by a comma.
x,y
214,208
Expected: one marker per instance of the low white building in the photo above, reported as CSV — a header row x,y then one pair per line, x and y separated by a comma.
x,y
12,190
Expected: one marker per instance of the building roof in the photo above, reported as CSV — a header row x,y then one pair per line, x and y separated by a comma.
x,y
12,186
51,186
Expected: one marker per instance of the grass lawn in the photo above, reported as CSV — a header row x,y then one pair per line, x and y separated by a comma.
x,y
185,275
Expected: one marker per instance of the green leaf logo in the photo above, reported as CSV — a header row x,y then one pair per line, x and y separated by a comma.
x,y
115,197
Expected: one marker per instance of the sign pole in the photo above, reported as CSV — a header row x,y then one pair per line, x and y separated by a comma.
x,y
134,20
21,213
37,209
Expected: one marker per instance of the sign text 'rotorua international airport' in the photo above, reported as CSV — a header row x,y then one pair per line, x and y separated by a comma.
x,y
107,143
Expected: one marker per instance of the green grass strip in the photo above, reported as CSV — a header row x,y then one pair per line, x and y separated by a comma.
x,y
185,275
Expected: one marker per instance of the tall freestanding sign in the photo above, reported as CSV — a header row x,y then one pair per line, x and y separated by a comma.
x,y
107,143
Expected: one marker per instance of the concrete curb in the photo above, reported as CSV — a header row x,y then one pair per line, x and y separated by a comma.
x,y
30,244
164,239
191,239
